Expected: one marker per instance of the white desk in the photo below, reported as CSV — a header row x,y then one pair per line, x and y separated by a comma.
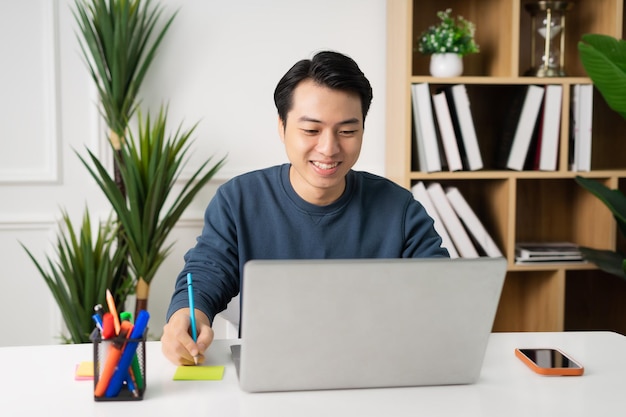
x,y
39,380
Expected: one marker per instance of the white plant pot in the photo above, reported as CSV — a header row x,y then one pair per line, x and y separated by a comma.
x,y
446,65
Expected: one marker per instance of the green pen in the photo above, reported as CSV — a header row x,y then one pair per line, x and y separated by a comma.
x,y
126,315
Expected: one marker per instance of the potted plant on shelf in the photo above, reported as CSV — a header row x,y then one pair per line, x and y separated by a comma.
x,y
447,43
604,60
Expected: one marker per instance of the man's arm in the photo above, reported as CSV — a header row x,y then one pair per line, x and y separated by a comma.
x,y
422,240
214,264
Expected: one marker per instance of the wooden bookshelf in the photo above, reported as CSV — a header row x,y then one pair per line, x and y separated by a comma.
x,y
515,205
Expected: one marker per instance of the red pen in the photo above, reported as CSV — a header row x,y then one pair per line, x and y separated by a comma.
x,y
108,327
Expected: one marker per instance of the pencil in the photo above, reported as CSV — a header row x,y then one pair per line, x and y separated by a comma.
x,y
113,311
192,312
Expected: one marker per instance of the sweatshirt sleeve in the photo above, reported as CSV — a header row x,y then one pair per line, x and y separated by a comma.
x,y
213,263
422,240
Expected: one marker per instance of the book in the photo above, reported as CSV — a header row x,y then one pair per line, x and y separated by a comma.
x,y
509,124
421,195
425,133
574,126
446,130
460,238
550,128
531,163
583,121
548,259
529,250
472,222
463,123
571,137
547,252
525,127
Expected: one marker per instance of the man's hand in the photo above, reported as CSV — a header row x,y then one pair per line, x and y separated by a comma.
x,y
178,345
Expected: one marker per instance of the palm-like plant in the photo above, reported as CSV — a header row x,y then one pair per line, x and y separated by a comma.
x,y
80,273
119,40
604,59
150,167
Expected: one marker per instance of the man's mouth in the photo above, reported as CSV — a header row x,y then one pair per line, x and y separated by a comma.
x,y
322,165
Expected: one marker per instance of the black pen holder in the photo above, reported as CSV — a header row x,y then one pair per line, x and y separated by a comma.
x,y
112,383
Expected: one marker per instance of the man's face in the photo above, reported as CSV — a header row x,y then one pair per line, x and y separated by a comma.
x,y
323,140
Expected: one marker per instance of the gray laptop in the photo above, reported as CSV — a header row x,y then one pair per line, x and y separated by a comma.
x,y
364,323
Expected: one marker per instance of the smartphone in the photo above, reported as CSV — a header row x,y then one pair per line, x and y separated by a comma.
x,y
548,361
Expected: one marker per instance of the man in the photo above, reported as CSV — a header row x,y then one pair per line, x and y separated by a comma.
x,y
314,207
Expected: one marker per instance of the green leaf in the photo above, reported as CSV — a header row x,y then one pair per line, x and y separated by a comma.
x,y
604,59
608,261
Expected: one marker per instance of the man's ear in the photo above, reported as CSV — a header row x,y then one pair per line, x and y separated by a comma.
x,y
281,129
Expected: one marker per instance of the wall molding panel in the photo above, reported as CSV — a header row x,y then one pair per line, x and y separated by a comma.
x,y
31,153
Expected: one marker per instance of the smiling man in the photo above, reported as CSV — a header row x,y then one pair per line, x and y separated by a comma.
x,y
314,207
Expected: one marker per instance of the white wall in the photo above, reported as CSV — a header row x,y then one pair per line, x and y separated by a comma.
x,y
218,66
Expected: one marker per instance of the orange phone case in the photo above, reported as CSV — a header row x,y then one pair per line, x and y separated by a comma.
x,y
551,371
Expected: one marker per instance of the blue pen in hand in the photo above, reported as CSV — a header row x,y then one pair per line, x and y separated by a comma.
x,y
192,312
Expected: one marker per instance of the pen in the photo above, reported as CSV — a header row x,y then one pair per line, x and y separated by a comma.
x,y
98,320
98,310
113,311
108,329
192,312
126,315
131,383
135,370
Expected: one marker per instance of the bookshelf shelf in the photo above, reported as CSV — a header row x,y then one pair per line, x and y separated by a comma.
x,y
514,205
511,175
486,80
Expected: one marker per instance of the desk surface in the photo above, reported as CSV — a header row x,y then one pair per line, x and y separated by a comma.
x,y
39,380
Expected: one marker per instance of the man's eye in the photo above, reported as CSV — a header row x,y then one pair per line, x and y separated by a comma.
x,y
310,131
347,132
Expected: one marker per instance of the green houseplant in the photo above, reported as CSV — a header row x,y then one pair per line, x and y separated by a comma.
x,y
119,40
452,35
447,43
78,276
604,59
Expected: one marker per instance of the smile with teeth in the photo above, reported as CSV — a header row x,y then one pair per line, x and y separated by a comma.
x,y
322,165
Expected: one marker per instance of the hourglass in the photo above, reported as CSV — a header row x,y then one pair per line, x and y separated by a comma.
x,y
547,42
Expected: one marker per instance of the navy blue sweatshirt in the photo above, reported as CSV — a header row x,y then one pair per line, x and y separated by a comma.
x,y
258,215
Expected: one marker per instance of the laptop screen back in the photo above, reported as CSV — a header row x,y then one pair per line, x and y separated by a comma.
x,y
325,324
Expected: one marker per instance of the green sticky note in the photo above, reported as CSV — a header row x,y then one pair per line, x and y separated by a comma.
x,y
199,373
